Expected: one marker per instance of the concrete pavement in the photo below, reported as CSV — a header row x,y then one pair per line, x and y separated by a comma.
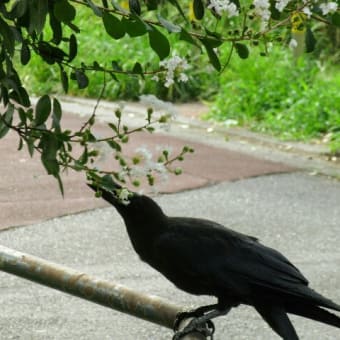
x,y
295,211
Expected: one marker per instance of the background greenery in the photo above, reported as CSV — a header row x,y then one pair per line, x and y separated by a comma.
x,y
277,95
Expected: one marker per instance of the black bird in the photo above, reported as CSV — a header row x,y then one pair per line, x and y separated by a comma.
x,y
205,258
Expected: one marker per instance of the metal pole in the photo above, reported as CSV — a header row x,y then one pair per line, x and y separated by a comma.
x,y
108,294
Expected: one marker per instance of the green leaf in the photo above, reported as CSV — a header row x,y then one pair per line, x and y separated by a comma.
x,y
138,69
275,14
73,48
113,26
82,79
134,6
42,110
151,4
50,145
38,10
64,11
56,28
242,50
25,53
310,40
95,9
7,36
6,120
134,28
198,8
213,58
336,19
114,145
64,79
172,28
185,36
57,113
159,43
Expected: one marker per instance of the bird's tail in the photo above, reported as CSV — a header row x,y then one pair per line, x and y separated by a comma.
x,y
314,312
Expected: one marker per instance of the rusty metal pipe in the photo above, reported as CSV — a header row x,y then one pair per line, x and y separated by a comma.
x,y
105,293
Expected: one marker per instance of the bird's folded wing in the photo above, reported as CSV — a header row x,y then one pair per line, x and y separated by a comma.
x,y
228,259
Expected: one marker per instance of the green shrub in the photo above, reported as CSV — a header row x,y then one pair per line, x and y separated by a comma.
x,y
275,94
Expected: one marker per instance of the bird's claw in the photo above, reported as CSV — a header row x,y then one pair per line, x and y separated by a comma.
x,y
207,327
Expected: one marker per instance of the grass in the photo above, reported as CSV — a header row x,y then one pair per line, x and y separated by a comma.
x,y
281,97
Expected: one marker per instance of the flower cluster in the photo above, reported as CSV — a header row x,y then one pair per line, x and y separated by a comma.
x,y
221,6
328,7
262,9
174,69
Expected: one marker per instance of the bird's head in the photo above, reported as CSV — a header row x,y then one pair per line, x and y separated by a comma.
x,y
131,205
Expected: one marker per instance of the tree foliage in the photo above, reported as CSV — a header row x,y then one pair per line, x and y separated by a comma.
x,y
204,25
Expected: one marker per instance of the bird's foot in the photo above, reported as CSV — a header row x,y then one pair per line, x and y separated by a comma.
x,y
196,313
198,324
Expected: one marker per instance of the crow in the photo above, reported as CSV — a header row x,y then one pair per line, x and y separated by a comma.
x,y
203,257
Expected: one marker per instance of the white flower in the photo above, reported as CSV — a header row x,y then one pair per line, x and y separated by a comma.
x,y
144,152
173,66
159,105
262,9
124,195
306,10
328,7
220,6
293,44
281,4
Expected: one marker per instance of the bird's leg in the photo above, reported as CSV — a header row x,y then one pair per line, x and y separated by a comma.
x,y
195,313
202,323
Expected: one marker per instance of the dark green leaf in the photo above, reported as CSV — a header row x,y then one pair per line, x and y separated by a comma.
x,y
38,10
116,66
275,13
242,50
310,40
159,43
95,9
57,113
336,19
21,144
198,8
113,26
64,79
213,58
56,28
25,53
172,28
134,6
114,145
64,11
22,115
151,4
134,28
6,120
73,49
49,144
82,79
137,68
60,183
7,37
185,36
42,109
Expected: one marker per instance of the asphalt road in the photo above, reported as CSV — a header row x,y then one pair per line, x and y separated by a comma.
x,y
296,213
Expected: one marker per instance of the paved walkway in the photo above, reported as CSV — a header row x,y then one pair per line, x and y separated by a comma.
x,y
292,210
29,195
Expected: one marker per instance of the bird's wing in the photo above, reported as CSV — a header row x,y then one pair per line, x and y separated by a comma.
x,y
231,259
